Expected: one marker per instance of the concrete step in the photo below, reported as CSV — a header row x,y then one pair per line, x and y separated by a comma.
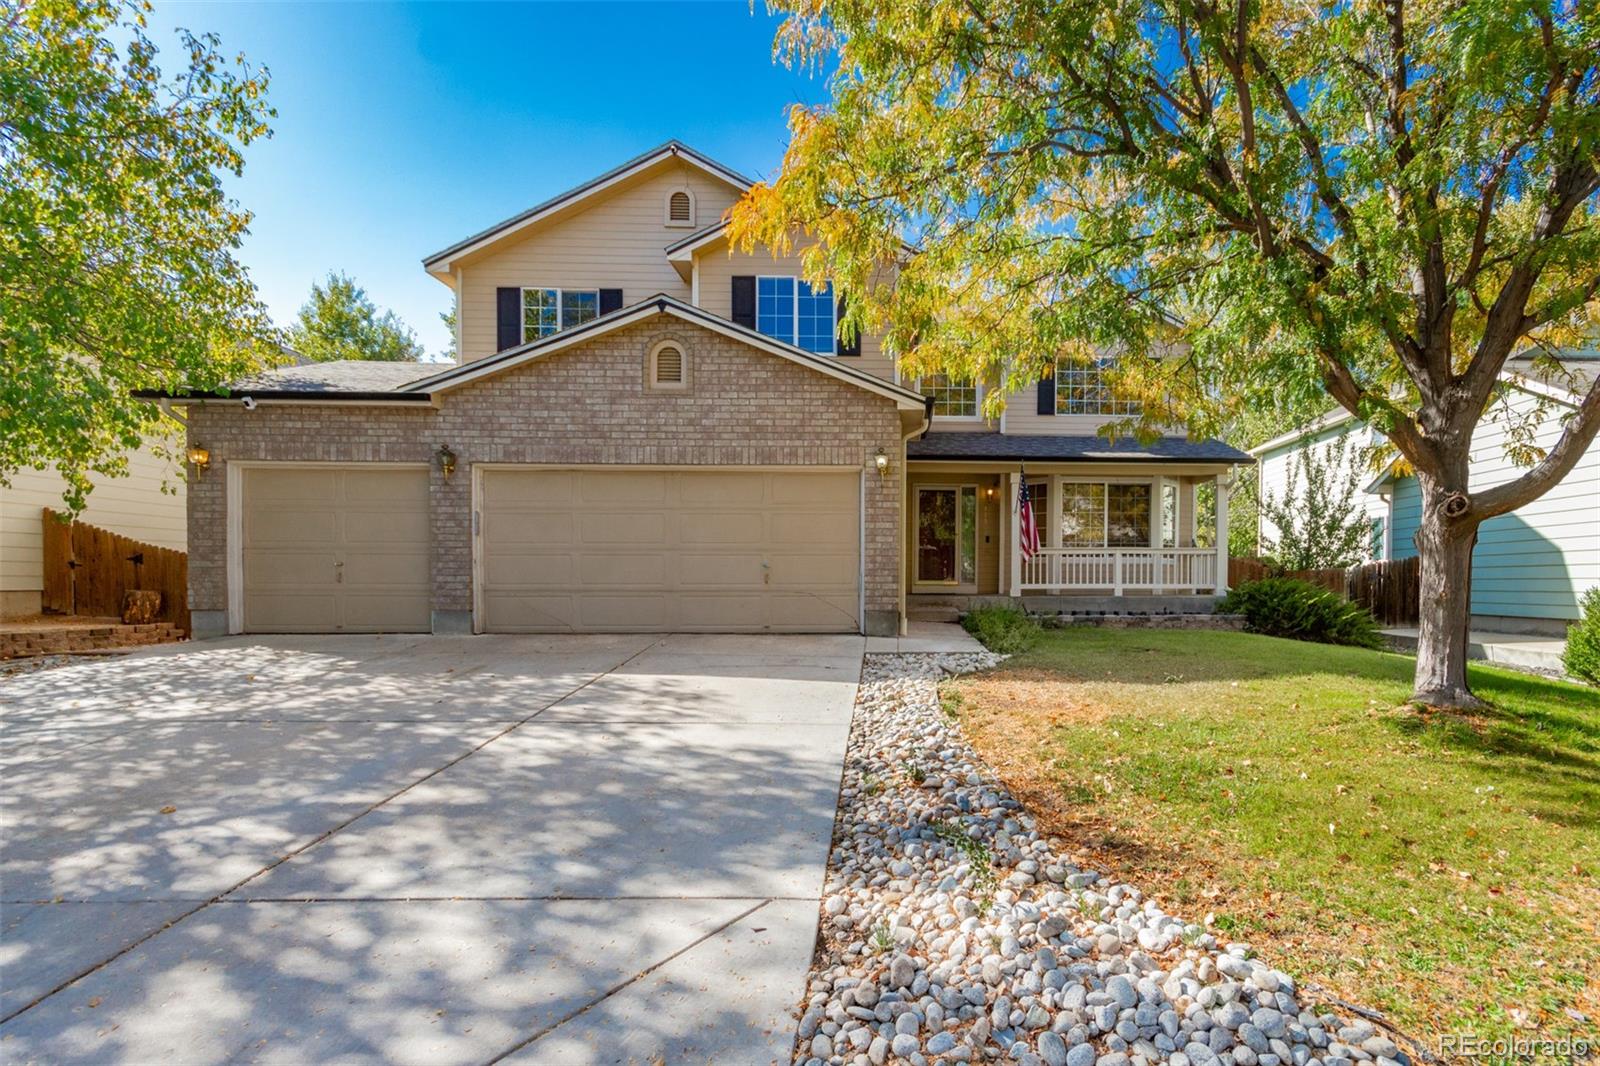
x,y
933,612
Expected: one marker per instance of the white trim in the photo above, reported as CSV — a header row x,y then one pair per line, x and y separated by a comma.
x,y
861,552
979,391
694,283
686,253
444,261
660,304
233,536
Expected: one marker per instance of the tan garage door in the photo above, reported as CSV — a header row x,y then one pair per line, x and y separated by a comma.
x,y
637,551
335,549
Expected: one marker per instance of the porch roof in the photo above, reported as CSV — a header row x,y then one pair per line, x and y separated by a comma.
x,y
988,447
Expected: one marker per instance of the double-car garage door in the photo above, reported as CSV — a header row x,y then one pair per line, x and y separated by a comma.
x,y
585,549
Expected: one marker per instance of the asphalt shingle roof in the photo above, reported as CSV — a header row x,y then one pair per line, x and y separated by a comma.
x,y
993,446
345,375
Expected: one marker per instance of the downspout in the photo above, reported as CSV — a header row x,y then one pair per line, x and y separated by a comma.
x,y
905,491
166,408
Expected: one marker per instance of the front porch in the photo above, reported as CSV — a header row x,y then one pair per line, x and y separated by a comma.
x,y
1117,536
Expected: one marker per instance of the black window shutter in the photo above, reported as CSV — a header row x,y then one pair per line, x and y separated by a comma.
x,y
508,318
610,300
744,300
842,346
1047,394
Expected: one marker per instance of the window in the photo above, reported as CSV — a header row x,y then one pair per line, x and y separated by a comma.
x,y
545,311
958,400
1081,389
790,310
680,208
1104,515
667,366
1169,515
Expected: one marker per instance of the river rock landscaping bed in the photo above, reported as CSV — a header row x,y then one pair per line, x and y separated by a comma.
x,y
952,932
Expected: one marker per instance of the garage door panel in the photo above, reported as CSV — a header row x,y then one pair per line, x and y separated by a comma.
x,y
643,528
723,570
629,491
276,569
817,490
292,484
290,527
801,528
385,527
394,612
509,529
724,489
297,612
610,570
528,572
335,549
405,488
532,488
725,527
624,612
735,550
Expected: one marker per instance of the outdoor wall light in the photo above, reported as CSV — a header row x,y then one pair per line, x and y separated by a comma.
x,y
881,461
199,458
447,461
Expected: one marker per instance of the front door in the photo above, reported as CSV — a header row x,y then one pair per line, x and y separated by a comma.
x,y
947,533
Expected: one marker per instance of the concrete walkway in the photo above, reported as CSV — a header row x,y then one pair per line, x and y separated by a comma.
x,y
418,849
1520,650
926,637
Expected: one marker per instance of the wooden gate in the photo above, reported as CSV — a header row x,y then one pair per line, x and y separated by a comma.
x,y
87,569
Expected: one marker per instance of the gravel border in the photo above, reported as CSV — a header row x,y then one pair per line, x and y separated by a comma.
x,y
952,932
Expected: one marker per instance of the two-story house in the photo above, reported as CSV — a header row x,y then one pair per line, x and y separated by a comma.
x,y
647,431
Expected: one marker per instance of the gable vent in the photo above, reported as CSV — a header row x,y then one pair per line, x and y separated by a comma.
x,y
680,208
668,365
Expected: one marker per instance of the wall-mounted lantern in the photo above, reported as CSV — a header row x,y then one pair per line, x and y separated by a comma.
x,y
199,458
881,461
447,461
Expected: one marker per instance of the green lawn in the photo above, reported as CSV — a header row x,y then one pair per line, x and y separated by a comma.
x,y
1438,868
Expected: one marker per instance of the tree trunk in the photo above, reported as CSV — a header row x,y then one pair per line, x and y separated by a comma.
x,y
1445,545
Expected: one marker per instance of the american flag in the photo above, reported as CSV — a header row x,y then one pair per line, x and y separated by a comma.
x,y
1027,528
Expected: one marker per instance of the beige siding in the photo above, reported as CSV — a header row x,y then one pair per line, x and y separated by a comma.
x,y
718,266
616,240
1023,418
134,506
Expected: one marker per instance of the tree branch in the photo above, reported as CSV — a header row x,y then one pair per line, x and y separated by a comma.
x,y
1557,463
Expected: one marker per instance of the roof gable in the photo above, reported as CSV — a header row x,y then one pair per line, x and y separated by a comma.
x,y
652,307
442,261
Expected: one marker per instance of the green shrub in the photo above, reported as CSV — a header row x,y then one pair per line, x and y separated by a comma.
x,y
1286,607
1582,657
1006,630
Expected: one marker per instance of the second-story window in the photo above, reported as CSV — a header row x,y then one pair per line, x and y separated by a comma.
x,y
544,311
792,311
1082,389
952,399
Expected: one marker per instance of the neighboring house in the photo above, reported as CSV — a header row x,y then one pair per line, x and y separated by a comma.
x,y
647,431
146,504
1530,567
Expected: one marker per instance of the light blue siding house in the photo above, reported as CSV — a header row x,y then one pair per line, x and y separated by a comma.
x,y
1530,566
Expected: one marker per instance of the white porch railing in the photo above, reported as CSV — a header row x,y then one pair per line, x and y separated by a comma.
x,y
1120,569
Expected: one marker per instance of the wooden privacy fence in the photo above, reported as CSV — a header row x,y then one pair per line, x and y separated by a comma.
x,y
1390,590
87,569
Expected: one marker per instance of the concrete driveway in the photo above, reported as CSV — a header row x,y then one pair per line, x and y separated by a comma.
x,y
418,849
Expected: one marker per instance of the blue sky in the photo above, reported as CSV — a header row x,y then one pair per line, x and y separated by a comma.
x,y
404,127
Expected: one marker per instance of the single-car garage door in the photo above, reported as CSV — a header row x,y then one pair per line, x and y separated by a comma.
x,y
335,549
732,550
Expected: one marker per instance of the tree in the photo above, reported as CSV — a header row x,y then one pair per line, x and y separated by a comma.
x,y
450,354
340,321
1383,201
117,241
1323,526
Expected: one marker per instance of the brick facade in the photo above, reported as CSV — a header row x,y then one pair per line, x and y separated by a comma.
x,y
586,404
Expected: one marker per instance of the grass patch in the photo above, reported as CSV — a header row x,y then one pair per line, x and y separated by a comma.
x,y
1442,868
1004,630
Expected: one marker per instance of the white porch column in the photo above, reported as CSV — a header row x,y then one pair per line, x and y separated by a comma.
x,y
1222,534
1013,538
